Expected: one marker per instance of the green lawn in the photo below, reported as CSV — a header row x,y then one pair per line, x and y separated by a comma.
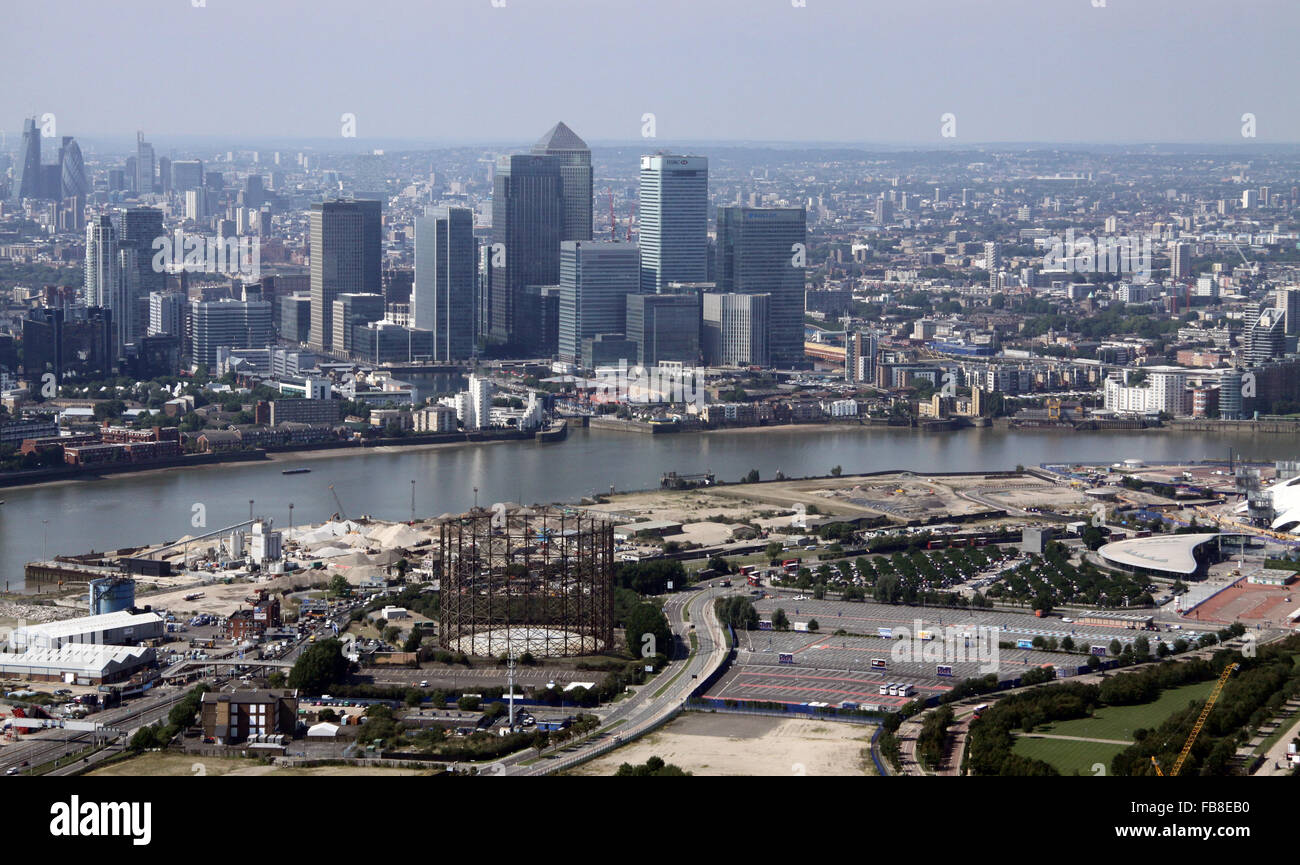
x,y
1119,722
1067,756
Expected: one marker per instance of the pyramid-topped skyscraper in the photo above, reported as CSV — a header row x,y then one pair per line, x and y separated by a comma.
x,y
574,157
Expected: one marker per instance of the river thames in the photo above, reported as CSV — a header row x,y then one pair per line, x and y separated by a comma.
x,y
134,509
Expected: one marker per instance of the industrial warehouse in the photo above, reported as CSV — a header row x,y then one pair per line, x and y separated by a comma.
x,y
77,664
121,628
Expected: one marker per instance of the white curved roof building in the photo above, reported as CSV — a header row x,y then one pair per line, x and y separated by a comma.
x,y
1171,555
1286,505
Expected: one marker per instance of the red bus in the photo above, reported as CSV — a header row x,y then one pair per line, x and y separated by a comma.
x,y
792,564
746,570
752,579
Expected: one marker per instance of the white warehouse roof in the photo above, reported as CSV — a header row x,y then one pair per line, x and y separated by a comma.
x,y
49,633
82,659
1174,554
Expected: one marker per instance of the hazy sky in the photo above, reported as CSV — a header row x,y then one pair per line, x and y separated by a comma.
x,y
835,70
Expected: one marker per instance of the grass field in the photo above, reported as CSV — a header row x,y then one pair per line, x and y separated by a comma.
x,y
1119,722
175,765
1068,756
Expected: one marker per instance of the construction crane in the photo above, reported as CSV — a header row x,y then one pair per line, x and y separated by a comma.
x,y
337,501
1200,722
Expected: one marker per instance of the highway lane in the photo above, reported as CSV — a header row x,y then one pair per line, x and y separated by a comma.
x,y
648,707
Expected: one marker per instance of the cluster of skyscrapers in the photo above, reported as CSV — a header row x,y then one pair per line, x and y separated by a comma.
x,y
540,285
62,180
543,286
537,284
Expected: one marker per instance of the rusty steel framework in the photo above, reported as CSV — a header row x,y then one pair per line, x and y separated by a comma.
x,y
518,579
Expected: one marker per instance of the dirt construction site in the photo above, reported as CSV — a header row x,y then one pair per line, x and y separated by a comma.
x,y
708,515
722,744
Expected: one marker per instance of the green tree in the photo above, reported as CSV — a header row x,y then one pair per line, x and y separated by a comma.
x,y
655,767
319,667
146,738
780,621
774,549
109,409
738,612
339,587
836,471
751,477
813,625
1093,539
648,620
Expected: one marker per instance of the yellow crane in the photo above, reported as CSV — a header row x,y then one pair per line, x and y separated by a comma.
x,y
1200,722
338,502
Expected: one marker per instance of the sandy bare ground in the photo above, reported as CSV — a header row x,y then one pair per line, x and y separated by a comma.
x,y
716,744
222,600
177,765
901,495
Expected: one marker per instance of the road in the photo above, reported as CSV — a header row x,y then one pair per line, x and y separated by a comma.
x,y
47,745
1275,761
648,707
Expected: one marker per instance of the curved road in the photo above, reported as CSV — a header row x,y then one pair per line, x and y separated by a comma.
x,y
655,701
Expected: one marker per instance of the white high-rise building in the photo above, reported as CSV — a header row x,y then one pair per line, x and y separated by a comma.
x,y
478,408
1162,392
196,204
101,262
112,278
673,218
